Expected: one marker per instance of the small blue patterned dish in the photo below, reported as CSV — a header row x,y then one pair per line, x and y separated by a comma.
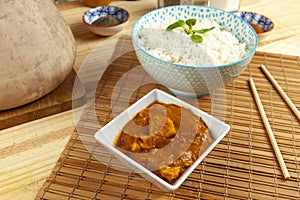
x,y
114,19
262,24
194,81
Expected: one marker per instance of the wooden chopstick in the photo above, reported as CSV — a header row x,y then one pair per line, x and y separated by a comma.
x,y
281,92
269,130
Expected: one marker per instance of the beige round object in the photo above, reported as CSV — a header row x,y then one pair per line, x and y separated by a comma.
x,y
37,51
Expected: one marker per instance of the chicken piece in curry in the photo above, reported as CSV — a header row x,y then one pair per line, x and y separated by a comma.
x,y
164,138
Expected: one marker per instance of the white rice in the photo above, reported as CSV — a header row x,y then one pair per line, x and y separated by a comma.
x,y
218,46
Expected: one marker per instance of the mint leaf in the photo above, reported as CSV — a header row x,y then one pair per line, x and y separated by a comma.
x,y
196,38
190,22
177,24
203,30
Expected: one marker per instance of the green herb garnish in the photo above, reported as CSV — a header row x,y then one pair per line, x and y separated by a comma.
x,y
188,29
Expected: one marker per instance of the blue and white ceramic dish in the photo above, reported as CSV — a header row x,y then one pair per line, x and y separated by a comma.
x,y
194,81
95,13
266,24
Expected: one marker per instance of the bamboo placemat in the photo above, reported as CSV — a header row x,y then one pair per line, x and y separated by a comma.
x,y
242,166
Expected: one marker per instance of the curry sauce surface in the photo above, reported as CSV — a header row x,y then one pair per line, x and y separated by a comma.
x,y
164,138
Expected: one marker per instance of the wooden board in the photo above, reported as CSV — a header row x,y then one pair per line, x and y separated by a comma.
x,y
59,100
242,166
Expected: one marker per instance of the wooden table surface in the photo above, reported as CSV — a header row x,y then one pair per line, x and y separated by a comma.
x,y
28,152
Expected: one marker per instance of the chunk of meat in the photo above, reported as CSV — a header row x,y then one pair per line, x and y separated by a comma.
x,y
170,173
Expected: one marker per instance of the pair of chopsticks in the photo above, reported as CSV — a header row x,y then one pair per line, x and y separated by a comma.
x,y
265,119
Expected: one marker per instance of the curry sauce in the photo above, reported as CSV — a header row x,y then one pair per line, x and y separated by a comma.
x,y
164,138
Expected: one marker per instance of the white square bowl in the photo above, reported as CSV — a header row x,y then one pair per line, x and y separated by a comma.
x,y
106,136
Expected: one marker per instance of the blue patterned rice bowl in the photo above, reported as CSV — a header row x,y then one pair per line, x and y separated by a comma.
x,y
189,80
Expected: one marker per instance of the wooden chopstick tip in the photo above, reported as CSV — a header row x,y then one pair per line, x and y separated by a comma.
x,y
264,70
287,176
262,66
252,86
